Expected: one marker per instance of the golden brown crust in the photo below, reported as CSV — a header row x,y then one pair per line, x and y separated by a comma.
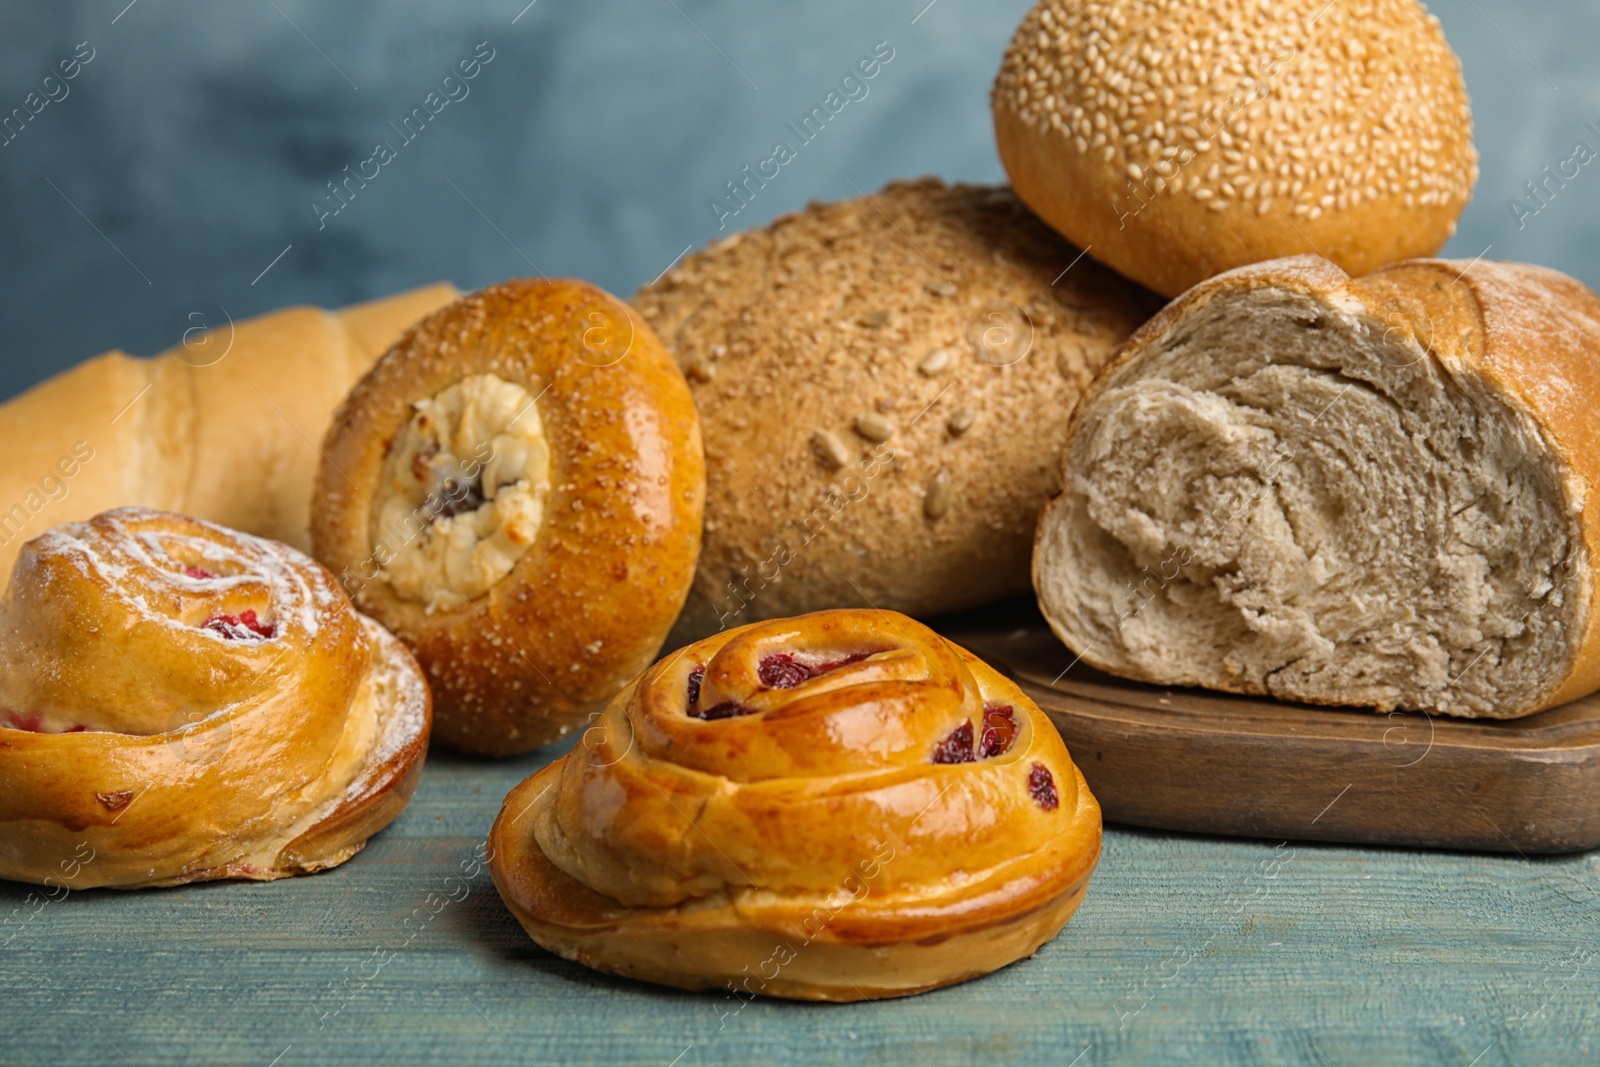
x,y
1529,334
384,787
1348,121
862,448
179,703
833,807
586,608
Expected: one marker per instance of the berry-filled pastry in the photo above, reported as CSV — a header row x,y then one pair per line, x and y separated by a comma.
x,y
180,702
516,491
837,806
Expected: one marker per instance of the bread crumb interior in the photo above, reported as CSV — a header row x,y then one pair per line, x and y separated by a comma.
x,y
1285,495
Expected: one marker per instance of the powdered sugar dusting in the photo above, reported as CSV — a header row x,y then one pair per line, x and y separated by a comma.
x,y
180,604
182,560
401,695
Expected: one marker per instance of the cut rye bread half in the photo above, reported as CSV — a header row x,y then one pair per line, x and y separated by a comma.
x,y
1374,491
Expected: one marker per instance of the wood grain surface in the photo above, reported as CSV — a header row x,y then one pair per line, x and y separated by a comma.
x,y
1188,759
1187,950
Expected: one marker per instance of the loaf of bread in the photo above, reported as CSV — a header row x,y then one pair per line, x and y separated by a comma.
x,y
222,427
1379,491
1177,140
883,384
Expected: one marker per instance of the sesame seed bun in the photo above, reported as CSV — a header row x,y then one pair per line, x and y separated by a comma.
x,y
1179,140
883,384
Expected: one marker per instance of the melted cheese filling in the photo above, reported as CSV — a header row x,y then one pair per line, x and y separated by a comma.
x,y
462,493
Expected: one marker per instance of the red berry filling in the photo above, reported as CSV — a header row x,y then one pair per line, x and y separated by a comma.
x,y
782,671
1042,787
728,709
198,572
957,748
32,722
999,730
777,671
241,627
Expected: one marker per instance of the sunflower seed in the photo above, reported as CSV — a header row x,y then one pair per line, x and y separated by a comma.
x,y
936,501
829,449
874,427
934,362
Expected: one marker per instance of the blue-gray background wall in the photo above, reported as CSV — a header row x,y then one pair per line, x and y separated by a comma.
x,y
187,153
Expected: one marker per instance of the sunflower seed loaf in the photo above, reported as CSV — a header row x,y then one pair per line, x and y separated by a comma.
x,y
884,385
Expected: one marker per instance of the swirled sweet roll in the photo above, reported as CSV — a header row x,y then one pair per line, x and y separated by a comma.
x,y
837,806
180,702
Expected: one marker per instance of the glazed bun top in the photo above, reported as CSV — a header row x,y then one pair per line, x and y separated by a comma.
x,y
1181,139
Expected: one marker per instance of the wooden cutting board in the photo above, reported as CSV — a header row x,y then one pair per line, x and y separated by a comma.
x,y
1190,759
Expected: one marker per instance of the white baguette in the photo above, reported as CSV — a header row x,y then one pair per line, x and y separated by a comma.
x,y
223,429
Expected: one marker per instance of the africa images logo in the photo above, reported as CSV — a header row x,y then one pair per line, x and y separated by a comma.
x,y
853,86
455,90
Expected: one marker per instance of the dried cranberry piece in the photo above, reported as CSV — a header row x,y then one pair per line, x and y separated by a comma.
x,y
999,730
834,664
728,709
458,497
198,572
241,627
957,748
780,671
696,676
1042,787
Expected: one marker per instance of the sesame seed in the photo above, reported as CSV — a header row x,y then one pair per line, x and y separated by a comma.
x,y
1138,82
829,449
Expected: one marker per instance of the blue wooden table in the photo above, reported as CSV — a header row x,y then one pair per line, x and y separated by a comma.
x,y
1188,950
